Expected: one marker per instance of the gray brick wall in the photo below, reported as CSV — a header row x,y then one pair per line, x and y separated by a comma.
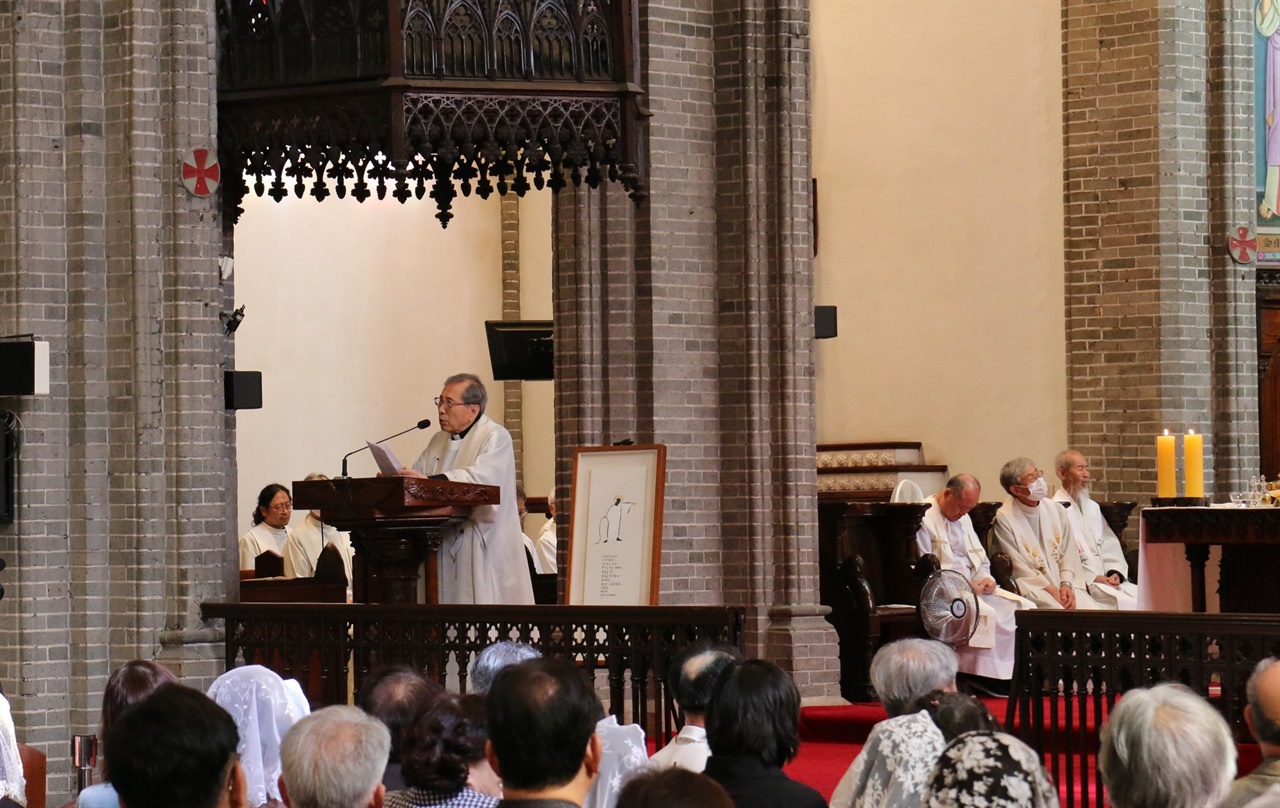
x,y
122,528
1160,323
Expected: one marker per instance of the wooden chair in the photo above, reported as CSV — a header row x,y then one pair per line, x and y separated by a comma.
x,y
544,584
33,769
328,585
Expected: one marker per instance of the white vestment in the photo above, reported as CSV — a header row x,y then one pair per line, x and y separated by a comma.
x,y
688,750
1042,546
533,553
305,542
260,539
481,559
957,547
545,547
1100,551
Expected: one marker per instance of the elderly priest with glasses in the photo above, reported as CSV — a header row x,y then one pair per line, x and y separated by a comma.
x,y
481,559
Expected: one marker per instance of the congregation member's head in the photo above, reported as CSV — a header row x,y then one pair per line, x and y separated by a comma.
x,y
264,708
990,769
1165,747
693,676
444,748
542,717
961,493
461,402
130,684
175,747
493,659
394,694
274,508
903,671
1073,471
1262,713
954,714
1023,481
755,712
673,788
334,758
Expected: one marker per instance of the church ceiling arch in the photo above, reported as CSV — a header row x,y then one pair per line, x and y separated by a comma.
x,y
418,98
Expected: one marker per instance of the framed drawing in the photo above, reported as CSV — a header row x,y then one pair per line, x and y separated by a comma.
x,y
615,525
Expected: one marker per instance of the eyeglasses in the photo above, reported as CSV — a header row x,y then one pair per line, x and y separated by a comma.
x,y
281,508
1034,475
449,403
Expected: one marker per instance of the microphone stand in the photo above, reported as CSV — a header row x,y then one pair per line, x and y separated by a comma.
x,y
423,424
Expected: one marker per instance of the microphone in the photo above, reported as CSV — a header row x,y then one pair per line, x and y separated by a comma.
x,y
423,424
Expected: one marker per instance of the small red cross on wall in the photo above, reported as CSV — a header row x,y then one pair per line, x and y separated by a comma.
x,y
200,172
1243,245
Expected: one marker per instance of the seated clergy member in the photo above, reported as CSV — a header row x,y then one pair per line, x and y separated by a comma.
x,y
542,739
1165,747
1033,530
270,528
692,679
1262,715
334,758
302,548
176,747
947,532
1101,556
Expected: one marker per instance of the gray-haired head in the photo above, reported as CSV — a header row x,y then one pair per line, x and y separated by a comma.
x,y
474,393
493,659
905,670
694,674
1165,747
1011,473
334,758
1259,693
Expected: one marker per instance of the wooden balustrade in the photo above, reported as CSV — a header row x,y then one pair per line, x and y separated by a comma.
x,y
626,650
1073,667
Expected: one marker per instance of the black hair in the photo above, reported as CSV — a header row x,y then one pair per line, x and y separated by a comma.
x,y
693,684
755,711
442,743
673,788
174,747
542,714
395,694
264,500
955,713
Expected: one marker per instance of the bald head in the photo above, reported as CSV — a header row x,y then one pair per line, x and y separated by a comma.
x,y
1263,712
959,497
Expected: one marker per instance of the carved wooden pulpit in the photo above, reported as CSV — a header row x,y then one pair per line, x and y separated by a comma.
x,y
395,525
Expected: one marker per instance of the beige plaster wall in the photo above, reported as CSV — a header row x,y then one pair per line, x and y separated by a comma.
x,y
938,154
355,314
535,304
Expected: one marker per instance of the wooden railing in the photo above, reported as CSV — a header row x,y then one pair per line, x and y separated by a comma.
x,y
626,650
1073,667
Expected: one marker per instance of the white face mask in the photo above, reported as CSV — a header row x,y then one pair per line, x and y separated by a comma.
x,y
1038,490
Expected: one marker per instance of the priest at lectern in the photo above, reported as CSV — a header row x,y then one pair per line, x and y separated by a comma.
x,y
482,559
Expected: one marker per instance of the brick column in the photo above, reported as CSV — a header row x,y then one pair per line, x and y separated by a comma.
x,y
121,528
512,392
1160,323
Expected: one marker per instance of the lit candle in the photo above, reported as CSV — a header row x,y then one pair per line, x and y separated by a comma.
x,y
1193,463
1166,466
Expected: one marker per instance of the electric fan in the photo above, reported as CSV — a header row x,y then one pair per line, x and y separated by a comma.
x,y
948,608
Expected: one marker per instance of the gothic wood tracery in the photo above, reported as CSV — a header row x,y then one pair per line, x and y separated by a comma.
x,y
333,96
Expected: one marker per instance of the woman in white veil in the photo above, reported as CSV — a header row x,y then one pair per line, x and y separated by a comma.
x,y
264,707
12,782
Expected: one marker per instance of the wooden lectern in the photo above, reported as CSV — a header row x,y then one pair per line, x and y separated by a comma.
x,y
395,525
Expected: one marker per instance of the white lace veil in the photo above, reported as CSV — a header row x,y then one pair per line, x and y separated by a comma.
x,y
264,707
11,778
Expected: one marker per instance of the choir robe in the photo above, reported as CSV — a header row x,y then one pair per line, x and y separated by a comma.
x,y
957,547
1045,555
545,546
1100,551
260,539
482,558
302,550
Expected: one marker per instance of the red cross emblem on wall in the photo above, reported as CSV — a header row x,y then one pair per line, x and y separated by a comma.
x,y
1243,245
200,172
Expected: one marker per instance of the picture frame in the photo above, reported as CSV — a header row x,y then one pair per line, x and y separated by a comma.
x,y
615,525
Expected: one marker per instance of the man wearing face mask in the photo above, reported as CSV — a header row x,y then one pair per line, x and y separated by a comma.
x,y
1035,533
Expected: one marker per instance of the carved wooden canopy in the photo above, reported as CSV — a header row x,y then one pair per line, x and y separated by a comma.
x,y
426,96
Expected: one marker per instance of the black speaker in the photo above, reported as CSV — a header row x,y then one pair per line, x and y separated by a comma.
x,y
242,389
824,322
